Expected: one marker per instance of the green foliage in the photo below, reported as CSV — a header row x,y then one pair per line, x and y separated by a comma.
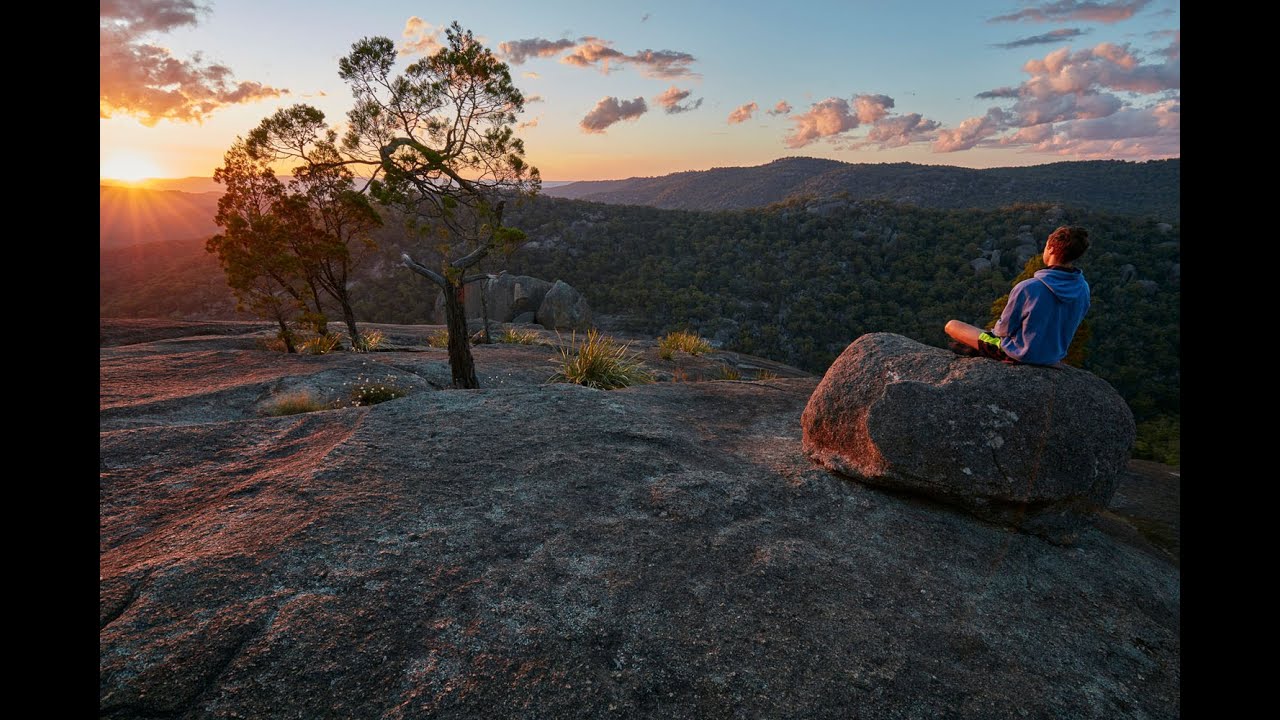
x,y
599,362
438,339
294,403
685,341
321,344
1159,439
518,337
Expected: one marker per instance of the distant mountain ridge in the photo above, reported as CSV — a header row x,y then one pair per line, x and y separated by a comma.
x,y
1132,188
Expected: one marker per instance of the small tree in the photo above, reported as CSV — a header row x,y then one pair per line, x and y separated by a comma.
x,y
266,277
329,223
439,144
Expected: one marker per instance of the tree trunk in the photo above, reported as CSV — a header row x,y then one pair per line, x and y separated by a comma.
x,y
484,309
286,336
461,364
350,317
321,322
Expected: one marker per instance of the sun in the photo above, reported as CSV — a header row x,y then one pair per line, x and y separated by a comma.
x,y
128,167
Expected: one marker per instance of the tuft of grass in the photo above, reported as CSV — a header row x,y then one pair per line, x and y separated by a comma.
x,y
320,345
599,362
679,375
688,342
518,337
301,401
766,375
438,339
370,341
728,372
666,353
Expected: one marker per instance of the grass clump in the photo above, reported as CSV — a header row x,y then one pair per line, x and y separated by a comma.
x,y
320,344
728,372
293,403
438,339
666,353
766,375
518,337
685,341
370,341
599,362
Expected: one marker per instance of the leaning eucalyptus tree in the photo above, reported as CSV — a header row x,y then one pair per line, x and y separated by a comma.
x,y
437,143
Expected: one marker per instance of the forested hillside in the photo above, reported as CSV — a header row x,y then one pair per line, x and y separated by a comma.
x,y
795,282
1129,188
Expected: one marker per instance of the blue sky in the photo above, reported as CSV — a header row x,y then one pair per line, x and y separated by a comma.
x,y
862,81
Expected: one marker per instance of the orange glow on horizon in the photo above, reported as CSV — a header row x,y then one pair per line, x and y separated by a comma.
x,y
128,167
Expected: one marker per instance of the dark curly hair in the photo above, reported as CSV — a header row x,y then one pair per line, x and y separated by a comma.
x,y
1068,242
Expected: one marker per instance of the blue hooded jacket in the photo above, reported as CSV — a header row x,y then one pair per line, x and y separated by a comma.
x,y
1042,315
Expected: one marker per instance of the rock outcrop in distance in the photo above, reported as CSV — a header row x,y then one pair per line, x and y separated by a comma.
x,y
524,299
551,551
1035,447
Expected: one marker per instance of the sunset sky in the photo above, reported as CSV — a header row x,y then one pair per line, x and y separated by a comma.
x,y
617,90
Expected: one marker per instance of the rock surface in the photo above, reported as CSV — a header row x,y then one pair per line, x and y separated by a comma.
x,y
660,551
1035,447
564,308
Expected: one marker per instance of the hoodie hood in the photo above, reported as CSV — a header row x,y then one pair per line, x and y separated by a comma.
x,y
1066,285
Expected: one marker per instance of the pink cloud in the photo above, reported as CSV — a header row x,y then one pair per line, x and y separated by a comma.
x,y
1132,133
833,116
592,51
671,98
824,119
145,80
970,132
899,130
743,113
609,111
419,38
872,107
1090,10
663,63
782,108
1105,66
518,51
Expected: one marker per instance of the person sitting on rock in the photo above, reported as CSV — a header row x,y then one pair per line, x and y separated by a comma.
x,y
1043,311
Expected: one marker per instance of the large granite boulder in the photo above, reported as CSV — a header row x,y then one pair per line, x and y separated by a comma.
x,y
1033,447
564,308
506,295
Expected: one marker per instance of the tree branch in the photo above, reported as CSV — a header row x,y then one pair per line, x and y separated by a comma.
x,y
423,270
